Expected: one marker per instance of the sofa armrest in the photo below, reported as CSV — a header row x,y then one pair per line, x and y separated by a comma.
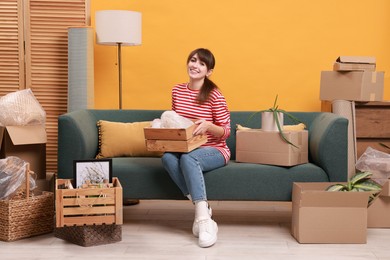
x,y
328,145
77,140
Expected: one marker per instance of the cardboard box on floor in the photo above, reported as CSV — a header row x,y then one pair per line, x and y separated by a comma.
x,y
379,210
26,142
320,216
350,63
257,146
352,85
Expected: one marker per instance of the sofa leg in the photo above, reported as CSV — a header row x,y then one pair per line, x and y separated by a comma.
x,y
130,202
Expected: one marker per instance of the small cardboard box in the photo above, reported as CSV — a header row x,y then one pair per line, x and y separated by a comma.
x,y
173,139
350,63
352,85
320,216
26,142
379,210
258,146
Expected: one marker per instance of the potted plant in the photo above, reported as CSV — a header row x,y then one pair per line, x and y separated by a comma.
x,y
276,114
359,182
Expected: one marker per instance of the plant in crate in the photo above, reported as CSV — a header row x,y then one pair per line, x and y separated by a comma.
x,y
359,182
277,116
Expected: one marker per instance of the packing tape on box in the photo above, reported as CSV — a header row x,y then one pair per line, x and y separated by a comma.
x,y
373,77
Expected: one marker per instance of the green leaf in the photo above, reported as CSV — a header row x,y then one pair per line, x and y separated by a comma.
x,y
276,100
336,187
359,177
384,145
368,186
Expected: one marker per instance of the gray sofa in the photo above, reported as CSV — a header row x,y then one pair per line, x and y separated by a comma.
x,y
145,177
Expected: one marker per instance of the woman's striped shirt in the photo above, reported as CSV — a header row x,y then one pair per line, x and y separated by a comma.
x,y
214,110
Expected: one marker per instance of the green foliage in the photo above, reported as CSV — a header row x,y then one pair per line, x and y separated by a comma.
x,y
359,182
275,110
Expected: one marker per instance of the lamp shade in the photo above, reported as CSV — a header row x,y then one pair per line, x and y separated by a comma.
x,y
118,26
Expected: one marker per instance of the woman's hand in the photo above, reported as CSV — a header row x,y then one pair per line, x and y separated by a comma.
x,y
202,128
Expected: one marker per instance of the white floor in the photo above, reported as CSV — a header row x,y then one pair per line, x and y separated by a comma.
x,y
162,230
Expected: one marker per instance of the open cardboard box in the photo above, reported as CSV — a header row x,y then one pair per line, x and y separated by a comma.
x,y
320,216
352,85
26,142
350,63
258,146
379,210
173,139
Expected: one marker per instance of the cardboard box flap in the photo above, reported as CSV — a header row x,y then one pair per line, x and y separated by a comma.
x,y
356,59
315,195
31,134
385,189
334,199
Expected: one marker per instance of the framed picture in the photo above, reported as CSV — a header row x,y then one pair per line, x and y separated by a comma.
x,y
92,171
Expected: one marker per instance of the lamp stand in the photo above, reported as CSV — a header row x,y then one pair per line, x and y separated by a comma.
x,y
120,73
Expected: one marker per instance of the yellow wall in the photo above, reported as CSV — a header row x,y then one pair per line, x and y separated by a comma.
x,y
262,48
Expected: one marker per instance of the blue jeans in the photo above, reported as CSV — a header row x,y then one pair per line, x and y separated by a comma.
x,y
187,169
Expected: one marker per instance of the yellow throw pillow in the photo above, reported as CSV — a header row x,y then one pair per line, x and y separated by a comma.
x,y
118,139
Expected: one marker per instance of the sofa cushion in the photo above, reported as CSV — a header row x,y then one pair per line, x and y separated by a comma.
x,y
118,139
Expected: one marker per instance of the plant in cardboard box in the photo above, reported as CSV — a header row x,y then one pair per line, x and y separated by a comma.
x,y
272,120
361,181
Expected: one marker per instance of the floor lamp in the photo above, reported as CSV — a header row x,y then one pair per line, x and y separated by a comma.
x,y
120,28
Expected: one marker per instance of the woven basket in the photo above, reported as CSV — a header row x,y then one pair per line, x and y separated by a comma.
x,y
26,214
92,235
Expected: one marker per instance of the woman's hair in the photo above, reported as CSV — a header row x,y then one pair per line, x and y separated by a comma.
x,y
208,58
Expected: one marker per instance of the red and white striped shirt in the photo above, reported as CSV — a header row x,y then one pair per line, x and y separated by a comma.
x,y
214,110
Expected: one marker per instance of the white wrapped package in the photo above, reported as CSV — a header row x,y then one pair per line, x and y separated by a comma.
x,y
376,162
170,119
12,176
21,108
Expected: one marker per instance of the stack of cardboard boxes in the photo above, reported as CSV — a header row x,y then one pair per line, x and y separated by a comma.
x,y
319,216
352,78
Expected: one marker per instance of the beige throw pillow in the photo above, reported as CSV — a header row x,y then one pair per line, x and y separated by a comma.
x,y
117,139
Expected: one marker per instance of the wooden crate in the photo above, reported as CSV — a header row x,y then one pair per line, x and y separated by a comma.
x,y
89,206
176,134
173,139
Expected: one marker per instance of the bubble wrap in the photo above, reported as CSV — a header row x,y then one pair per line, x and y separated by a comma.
x,y
21,108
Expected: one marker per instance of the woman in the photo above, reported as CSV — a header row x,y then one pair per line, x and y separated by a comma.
x,y
200,100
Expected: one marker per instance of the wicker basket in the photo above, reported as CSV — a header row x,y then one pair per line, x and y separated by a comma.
x,y
92,235
26,214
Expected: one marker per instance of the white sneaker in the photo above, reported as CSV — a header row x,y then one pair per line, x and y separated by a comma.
x,y
195,225
208,230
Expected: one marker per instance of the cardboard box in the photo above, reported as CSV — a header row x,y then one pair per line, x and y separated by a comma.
x,y
258,146
172,139
379,210
350,63
352,85
26,142
320,216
